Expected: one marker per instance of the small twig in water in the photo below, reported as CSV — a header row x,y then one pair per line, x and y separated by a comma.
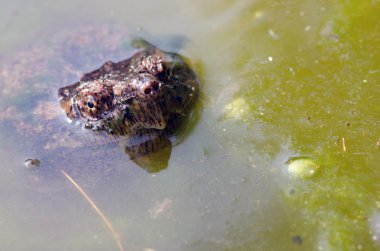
x,y
226,155
344,144
102,216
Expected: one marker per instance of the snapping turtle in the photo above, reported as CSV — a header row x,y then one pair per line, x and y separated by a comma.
x,y
140,102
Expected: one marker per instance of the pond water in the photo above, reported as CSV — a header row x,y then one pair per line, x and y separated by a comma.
x,y
281,80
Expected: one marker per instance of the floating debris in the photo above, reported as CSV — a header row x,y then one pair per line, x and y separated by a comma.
x,y
297,240
302,167
115,235
272,34
344,145
161,208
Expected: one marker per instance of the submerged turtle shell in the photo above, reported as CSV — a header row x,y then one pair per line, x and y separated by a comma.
x,y
30,79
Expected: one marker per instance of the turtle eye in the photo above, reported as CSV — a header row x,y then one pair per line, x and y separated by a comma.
x,y
94,105
90,104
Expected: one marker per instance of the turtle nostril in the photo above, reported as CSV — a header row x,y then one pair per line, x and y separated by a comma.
x,y
148,90
155,86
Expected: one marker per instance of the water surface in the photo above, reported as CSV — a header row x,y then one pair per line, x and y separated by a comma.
x,y
279,79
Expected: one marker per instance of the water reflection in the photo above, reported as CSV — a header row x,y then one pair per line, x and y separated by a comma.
x,y
152,161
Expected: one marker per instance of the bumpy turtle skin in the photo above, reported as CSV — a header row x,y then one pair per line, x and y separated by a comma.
x,y
141,92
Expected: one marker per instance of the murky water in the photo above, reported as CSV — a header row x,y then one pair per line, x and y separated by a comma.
x,y
279,79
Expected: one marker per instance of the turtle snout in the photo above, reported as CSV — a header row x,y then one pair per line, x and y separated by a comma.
x,y
151,87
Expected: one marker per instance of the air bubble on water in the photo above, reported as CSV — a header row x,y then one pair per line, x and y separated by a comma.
x,y
32,163
302,167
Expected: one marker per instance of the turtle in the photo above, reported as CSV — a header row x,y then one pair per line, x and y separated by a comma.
x,y
57,99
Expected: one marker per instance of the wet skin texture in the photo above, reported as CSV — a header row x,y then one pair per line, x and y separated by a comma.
x,y
140,97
